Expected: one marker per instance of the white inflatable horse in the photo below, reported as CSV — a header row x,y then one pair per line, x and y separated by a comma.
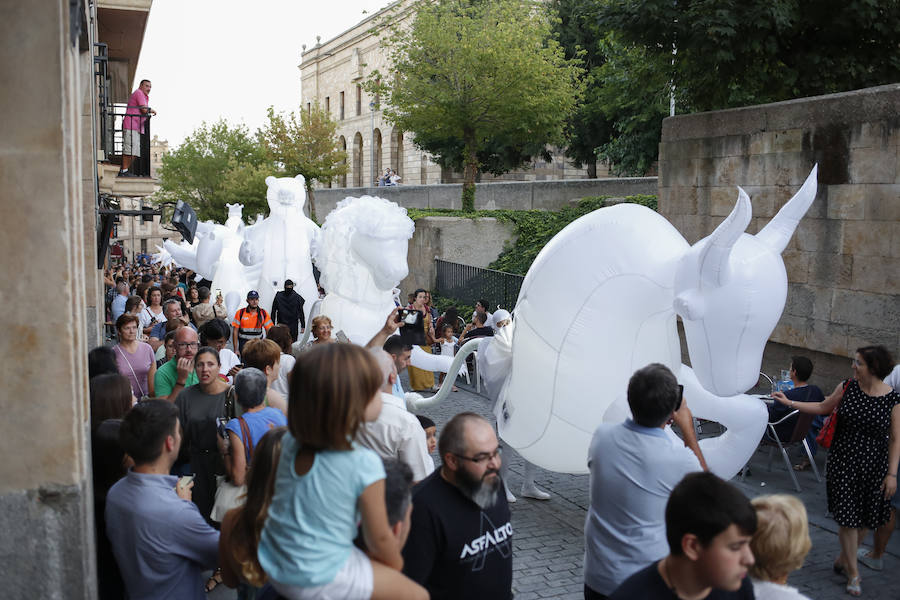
x,y
362,255
600,301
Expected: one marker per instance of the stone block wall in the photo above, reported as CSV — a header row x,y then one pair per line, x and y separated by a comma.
x,y
517,195
476,242
844,259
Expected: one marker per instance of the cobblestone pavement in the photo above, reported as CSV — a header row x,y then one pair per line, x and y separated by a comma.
x,y
549,538
549,535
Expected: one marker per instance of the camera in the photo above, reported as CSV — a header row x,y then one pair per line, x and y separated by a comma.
x,y
407,316
412,331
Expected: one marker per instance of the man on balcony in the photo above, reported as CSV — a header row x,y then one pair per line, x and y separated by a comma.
x,y
133,126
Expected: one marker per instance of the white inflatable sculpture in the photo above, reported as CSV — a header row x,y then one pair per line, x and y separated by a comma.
x,y
279,245
214,256
600,301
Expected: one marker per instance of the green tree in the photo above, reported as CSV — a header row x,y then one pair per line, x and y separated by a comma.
x,y
483,85
580,35
217,164
632,93
740,53
306,145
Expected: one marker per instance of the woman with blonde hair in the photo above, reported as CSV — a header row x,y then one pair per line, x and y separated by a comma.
x,y
780,544
321,329
243,525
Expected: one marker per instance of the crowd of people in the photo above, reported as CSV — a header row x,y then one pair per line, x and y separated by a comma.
x,y
292,471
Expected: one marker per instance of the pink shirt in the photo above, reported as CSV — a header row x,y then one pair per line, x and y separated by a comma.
x,y
138,98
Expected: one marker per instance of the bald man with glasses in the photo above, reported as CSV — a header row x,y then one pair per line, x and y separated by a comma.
x,y
178,373
460,542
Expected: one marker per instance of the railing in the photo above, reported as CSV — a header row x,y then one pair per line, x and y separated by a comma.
x,y
111,119
467,284
115,117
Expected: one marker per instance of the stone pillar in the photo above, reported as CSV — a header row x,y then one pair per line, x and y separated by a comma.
x,y
46,516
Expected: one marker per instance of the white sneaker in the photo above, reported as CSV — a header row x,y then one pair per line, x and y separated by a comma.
x,y
876,564
534,492
509,495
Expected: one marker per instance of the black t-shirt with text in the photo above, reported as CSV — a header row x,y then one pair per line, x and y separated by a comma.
x,y
647,583
455,549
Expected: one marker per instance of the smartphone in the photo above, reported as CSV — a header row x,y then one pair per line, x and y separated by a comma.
x,y
221,422
680,398
342,337
185,480
218,292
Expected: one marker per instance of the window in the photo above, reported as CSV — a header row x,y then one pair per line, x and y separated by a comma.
x,y
328,104
342,106
358,100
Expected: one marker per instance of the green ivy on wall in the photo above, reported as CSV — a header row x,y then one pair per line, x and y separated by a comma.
x,y
533,228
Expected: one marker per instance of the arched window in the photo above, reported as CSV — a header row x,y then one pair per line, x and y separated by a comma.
x,y
379,167
357,160
342,144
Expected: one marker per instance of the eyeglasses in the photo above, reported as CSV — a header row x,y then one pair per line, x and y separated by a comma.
x,y
481,458
188,344
856,362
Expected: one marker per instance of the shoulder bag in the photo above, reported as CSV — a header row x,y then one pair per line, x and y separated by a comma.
x,y
228,495
826,434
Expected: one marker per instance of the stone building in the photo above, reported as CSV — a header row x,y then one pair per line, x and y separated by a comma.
x,y
64,63
332,74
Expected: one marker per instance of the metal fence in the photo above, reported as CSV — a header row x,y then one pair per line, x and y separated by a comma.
x,y
467,284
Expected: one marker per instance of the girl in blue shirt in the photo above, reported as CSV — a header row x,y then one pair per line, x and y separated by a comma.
x,y
325,484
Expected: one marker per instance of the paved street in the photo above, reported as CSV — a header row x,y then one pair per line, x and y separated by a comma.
x,y
549,539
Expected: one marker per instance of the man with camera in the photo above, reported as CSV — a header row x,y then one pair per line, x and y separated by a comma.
x,y
634,467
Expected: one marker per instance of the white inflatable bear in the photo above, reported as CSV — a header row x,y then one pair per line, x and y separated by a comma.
x,y
280,243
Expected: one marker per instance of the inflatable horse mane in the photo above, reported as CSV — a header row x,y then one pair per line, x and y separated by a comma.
x,y
600,301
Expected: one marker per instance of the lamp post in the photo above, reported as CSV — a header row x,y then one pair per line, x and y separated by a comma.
x,y
372,145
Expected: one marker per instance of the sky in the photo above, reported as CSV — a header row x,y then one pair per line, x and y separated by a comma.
x,y
223,58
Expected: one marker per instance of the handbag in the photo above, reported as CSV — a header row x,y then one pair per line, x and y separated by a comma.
x,y
826,434
144,396
228,495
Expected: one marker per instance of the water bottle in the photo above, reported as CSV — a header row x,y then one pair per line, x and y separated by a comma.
x,y
785,383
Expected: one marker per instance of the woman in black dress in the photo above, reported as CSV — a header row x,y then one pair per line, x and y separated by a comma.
x,y
862,461
198,407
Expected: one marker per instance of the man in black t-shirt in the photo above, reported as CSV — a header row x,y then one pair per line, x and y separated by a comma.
x,y
476,329
709,523
460,542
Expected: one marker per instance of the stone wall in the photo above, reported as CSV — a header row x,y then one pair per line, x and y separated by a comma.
x,y
843,261
475,242
517,195
47,195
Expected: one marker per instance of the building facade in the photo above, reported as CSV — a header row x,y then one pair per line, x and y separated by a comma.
x,y
332,75
64,63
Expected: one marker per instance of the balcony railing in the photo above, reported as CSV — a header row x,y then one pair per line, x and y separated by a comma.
x,y
467,284
112,117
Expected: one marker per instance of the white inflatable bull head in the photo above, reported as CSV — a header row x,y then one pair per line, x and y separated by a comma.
x,y
735,284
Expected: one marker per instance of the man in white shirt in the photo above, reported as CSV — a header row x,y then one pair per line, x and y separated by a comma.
x,y
634,467
396,433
